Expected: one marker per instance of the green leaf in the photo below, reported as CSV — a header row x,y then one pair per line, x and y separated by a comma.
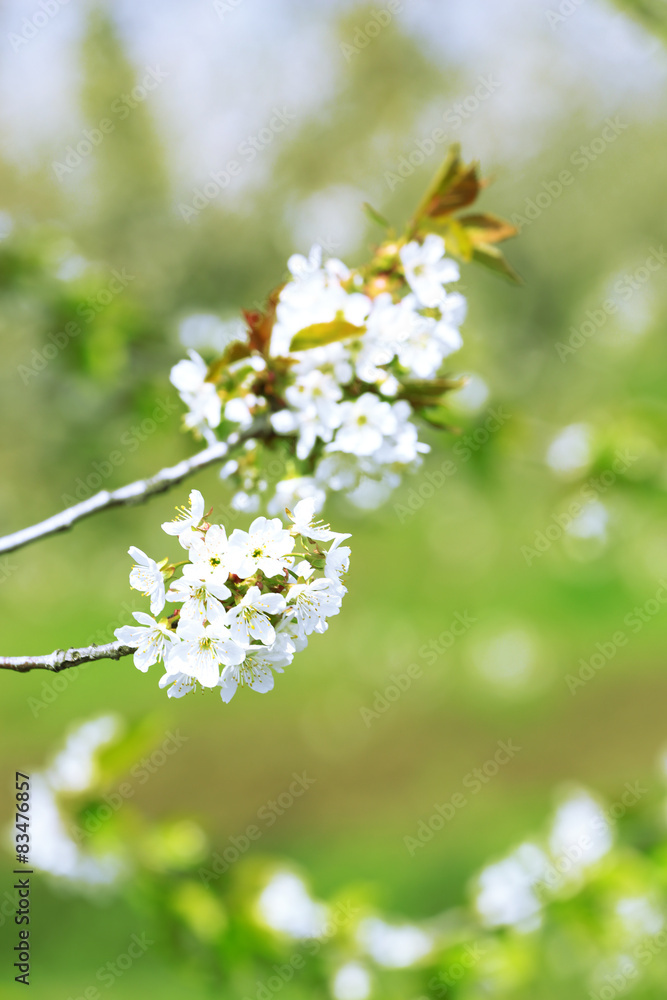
x,y
429,387
320,334
455,186
492,258
438,416
483,227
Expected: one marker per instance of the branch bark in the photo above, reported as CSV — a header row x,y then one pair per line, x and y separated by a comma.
x,y
61,659
133,493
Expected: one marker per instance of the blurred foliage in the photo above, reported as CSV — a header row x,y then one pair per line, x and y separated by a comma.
x,y
237,922
650,13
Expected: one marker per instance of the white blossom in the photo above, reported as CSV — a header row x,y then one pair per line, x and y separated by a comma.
x,y
427,269
200,396
198,596
189,376
452,314
303,522
317,389
256,670
247,620
313,603
203,647
422,353
186,519
147,578
264,547
332,359
314,295
237,410
315,397
178,684
364,424
389,325
153,640
230,634
337,402
337,564
210,560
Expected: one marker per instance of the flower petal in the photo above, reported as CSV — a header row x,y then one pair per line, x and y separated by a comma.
x,y
145,619
271,603
262,679
139,556
196,506
129,635
228,685
145,657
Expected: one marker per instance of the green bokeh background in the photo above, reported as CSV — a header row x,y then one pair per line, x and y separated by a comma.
x,y
460,551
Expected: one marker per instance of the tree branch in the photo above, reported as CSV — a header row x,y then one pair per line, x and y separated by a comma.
x,y
133,493
61,659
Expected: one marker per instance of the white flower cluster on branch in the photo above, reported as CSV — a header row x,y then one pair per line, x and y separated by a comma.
x,y
318,392
248,602
338,366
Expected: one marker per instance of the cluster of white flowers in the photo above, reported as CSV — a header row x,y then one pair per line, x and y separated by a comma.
x,y
247,602
340,392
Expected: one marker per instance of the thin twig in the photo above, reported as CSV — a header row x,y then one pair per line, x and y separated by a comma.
x,y
133,493
61,659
